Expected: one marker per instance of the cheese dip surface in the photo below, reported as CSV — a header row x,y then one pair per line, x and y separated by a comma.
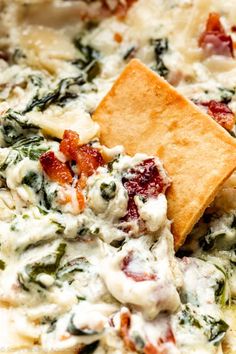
x,y
87,262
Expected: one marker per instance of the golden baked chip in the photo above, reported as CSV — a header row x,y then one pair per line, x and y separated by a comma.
x,y
145,114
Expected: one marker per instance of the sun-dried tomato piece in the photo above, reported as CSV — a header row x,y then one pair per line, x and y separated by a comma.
x,y
140,276
144,180
69,144
88,160
55,169
125,322
214,39
220,112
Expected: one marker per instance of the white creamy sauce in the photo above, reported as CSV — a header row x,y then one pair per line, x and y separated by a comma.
x,y
103,277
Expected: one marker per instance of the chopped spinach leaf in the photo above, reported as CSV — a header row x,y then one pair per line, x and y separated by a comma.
x,y
233,225
81,298
86,52
226,94
58,96
215,329
72,329
30,147
60,227
221,293
208,241
160,47
88,61
108,190
79,264
49,194
2,264
89,348
48,265
130,53
14,127
188,316
33,180
52,326
17,55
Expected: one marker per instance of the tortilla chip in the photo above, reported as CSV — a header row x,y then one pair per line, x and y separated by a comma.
x,y
145,114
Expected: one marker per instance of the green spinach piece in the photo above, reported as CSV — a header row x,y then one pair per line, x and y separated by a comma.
x,y
89,348
79,264
2,264
14,127
88,61
58,96
161,46
33,180
130,53
108,190
188,316
72,329
47,265
226,94
208,241
215,329
26,147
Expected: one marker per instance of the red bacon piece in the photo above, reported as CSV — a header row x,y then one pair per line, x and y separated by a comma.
x,y
221,113
151,349
69,144
88,159
135,276
160,348
146,181
80,198
125,322
55,169
214,39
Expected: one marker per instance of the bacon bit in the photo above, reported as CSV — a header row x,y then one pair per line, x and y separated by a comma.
x,y
151,349
125,320
88,160
169,338
55,169
160,349
214,39
221,113
82,182
138,277
69,144
80,198
118,37
146,182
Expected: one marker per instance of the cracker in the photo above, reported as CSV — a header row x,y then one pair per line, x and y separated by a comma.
x,y
145,114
